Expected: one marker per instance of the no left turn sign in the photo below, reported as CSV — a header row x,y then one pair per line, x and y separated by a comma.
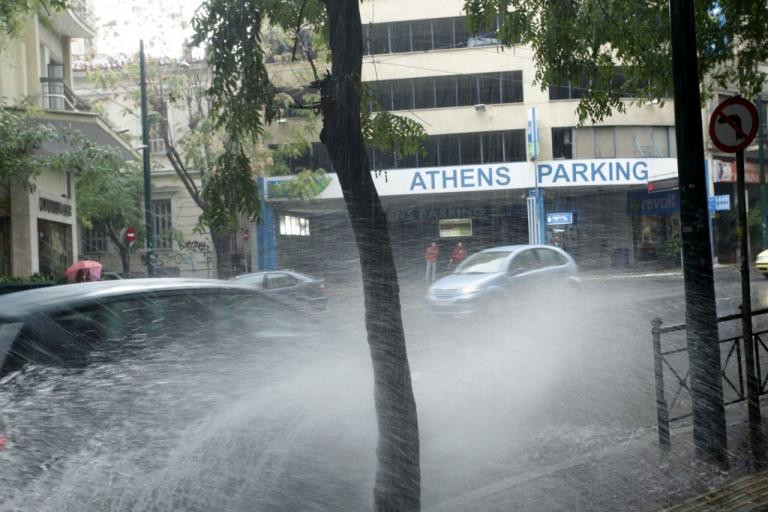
x,y
733,124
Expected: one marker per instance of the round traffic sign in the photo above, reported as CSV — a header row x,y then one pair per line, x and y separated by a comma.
x,y
130,234
733,124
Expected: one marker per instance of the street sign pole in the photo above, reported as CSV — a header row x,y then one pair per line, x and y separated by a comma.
x,y
147,184
753,387
761,156
709,431
732,127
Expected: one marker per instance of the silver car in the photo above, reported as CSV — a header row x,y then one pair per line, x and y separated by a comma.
x,y
491,279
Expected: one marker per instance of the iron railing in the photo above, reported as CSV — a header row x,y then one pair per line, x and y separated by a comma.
x,y
58,96
668,361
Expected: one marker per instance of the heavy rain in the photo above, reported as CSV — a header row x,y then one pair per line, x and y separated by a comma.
x,y
382,257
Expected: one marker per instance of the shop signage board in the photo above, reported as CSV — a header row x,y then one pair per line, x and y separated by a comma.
x,y
641,202
503,176
604,171
559,219
721,203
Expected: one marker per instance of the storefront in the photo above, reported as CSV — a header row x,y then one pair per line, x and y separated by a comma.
x,y
54,246
583,206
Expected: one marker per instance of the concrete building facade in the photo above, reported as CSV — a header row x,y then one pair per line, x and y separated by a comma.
x,y
38,227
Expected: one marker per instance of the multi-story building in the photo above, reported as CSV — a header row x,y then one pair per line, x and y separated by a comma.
x,y
506,162
181,249
38,224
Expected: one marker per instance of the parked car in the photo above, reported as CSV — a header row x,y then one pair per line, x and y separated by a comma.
x,y
303,289
78,327
490,280
762,263
72,326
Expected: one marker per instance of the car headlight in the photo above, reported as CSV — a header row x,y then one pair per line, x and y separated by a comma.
x,y
762,257
470,289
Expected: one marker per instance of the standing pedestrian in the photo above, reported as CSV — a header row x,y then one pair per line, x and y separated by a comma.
x,y
458,254
430,255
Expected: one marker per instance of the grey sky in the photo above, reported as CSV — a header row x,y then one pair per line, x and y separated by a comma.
x,y
163,24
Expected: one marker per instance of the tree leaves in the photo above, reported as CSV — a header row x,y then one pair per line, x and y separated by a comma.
x,y
583,41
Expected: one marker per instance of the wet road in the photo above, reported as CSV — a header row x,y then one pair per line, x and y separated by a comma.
x,y
293,428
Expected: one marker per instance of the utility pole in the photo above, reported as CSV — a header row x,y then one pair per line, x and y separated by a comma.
x,y
147,183
761,156
709,431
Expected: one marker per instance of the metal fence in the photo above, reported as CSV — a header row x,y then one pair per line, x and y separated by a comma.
x,y
673,403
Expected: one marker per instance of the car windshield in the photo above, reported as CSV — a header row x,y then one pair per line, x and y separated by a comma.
x,y
484,263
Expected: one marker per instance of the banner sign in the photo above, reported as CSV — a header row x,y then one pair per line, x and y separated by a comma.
x,y
720,203
559,219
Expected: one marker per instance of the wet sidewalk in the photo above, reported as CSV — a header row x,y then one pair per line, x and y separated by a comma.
x,y
745,494
632,475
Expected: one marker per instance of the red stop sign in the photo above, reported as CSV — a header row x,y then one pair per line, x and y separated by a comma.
x,y
130,234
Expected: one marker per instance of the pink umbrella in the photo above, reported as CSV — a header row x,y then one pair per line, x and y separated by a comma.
x,y
85,270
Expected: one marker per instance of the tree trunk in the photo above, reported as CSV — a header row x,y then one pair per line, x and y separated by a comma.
x,y
221,244
398,479
125,258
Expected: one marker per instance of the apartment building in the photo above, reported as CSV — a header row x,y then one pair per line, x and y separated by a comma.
x,y
38,228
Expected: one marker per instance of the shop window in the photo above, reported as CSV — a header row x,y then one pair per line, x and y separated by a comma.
x,y
406,162
381,93
562,143
515,146
451,228
294,226
163,223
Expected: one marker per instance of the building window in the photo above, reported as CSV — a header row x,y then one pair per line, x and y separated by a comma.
x,y
157,146
94,240
448,91
562,143
451,228
163,223
294,226
424,35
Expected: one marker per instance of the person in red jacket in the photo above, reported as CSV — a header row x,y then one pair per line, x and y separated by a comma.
x,y
458,254
430,256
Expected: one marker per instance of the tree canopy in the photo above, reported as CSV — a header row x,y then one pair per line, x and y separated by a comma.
x,y
585,42
12,12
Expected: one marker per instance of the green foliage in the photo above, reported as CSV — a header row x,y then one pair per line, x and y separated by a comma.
x,y
19,138
306,185
230,191
13,12
242,95
242,89
584,41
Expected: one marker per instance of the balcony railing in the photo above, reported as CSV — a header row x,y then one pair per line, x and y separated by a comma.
x,y
58,96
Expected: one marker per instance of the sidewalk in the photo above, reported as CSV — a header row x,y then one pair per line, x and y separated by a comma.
x,y
630,476
746,494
